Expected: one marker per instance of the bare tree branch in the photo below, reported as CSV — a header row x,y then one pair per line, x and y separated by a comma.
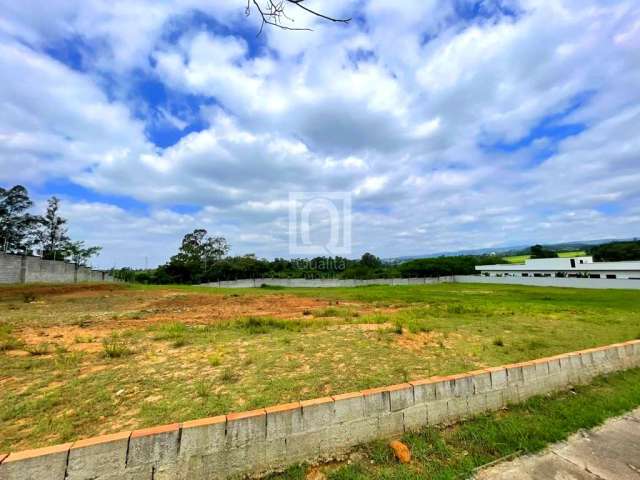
x,y
273,13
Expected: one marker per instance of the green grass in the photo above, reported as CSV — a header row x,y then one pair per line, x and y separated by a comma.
x,y
517,258
456,452
347,339
522,258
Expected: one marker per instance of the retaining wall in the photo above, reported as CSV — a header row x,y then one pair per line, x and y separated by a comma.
x,y
533,281
271,438
27,269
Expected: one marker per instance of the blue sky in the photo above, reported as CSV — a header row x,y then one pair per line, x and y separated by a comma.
x,y
451,123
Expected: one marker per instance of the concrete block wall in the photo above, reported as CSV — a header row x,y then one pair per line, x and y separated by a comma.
x,y
268,439
601,283
10,266
27,269
48,271
323,283
598,283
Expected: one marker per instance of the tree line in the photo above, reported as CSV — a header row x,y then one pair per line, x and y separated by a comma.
x,y
23,233
616,251
202,258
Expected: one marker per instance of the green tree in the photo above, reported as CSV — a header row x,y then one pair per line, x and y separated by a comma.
x,y
617,251
17,226
78,253
198,252
53,232
370,260
538,251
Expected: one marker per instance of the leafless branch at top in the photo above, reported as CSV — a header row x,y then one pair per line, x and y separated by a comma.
x,y
273,13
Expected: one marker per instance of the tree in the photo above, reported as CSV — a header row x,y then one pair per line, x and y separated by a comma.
x,y
538,251
197,253
197,247
617,251
16,224
273,12
443,266
53,233
370,260
78,253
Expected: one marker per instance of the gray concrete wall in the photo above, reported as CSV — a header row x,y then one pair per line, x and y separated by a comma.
x,y
600,283
533,281
268,439
323,283
19,269
10,268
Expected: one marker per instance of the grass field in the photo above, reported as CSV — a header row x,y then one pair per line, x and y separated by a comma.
x,y
522,258
82,360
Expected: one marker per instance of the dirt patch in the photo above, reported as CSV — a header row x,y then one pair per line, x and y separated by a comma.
x,y
117,309
419,341
73,338
207,309
82,289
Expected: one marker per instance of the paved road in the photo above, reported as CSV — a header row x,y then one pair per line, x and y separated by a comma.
x,y
610,452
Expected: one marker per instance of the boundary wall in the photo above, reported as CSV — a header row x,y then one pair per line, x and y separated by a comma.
x,y
28,269
600,283
272,438
323,282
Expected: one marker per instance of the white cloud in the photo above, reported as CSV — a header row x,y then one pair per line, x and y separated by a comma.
x,y
398,108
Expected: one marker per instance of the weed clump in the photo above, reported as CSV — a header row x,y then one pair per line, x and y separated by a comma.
x,y
116,346
175,332
259,325
214,360
39,349
8,341
203,388
229,376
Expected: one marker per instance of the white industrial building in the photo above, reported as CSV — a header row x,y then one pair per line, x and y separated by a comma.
x,y
582,267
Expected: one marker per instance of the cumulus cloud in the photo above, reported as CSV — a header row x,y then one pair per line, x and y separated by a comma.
x,y
453,124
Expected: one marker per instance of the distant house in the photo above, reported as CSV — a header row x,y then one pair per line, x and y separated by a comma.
x,y
583,267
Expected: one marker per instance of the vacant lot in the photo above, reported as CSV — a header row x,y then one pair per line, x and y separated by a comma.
x,y
83,360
